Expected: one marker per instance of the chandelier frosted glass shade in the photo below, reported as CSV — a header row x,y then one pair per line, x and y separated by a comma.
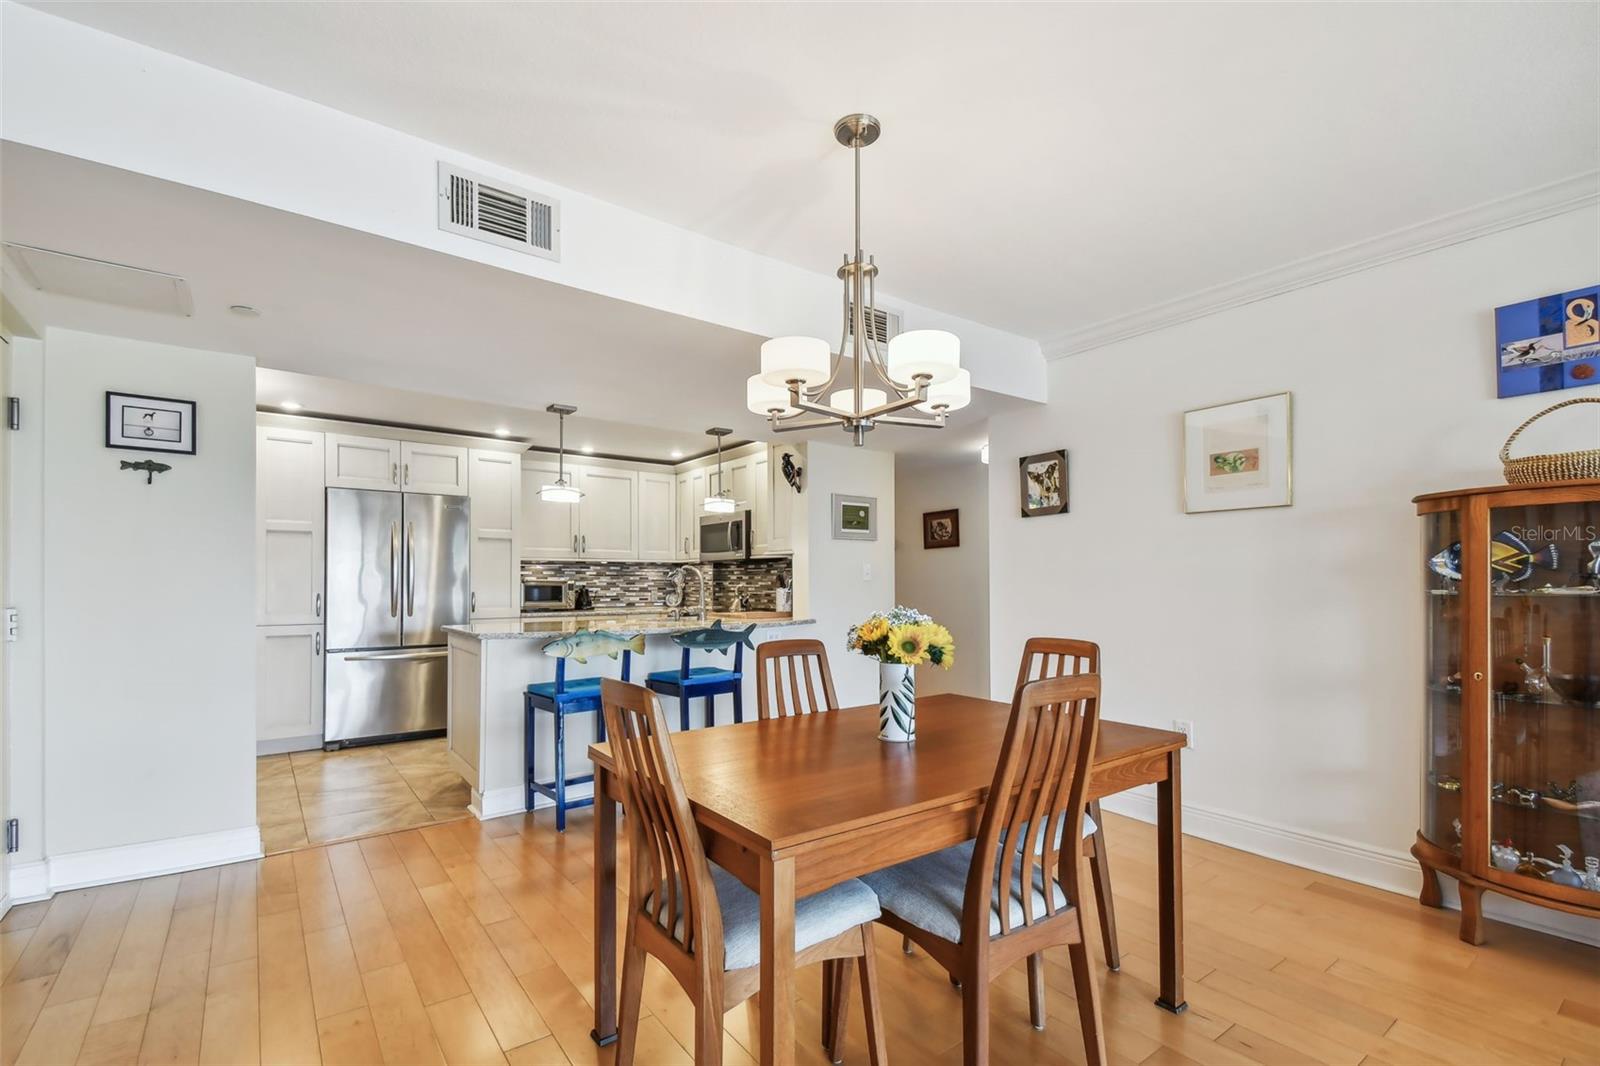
x,y
933,352
763,399
560,492
952,395
845,399
804,359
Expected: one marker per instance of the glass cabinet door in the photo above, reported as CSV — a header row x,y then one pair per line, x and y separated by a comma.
x,y
1441,800
1543,733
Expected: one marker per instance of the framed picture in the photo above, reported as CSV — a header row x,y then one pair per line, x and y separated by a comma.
x,y
855,517
1043,480
1238,456
1548,344
149,423
941,529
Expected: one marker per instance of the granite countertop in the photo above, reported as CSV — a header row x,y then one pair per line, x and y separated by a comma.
x,y
650,623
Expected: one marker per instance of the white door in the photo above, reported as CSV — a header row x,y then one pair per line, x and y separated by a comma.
x,y
5,654
608,516
437,468
362,462
761,505
549,530
496,480
780,529
289,526
658,516
289,666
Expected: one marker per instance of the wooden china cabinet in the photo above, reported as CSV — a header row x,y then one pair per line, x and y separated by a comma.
x,y
1512,767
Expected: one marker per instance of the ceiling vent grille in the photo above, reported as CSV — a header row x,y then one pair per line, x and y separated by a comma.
x,y
498,213
883,326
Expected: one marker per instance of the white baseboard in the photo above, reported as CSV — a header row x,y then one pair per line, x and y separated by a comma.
x,y
279,745
1394,871
128,862
499,802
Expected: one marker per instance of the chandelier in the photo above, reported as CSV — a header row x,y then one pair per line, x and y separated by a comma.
x,y
918,369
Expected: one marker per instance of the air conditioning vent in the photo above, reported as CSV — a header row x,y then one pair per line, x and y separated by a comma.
x,y
498,213
883,325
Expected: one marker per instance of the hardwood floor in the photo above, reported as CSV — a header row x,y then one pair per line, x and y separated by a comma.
x,y
315,797
468,942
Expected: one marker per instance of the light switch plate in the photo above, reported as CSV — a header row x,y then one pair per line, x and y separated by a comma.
x,y
866,571
11,625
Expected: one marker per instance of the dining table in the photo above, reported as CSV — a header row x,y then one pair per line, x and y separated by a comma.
x,y
792,805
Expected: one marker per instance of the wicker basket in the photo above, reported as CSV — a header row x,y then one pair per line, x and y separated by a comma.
x,y
1560,466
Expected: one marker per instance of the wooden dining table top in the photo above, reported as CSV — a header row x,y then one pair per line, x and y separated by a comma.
x,y
779,784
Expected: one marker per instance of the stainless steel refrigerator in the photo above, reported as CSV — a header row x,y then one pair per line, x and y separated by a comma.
x,y
397,574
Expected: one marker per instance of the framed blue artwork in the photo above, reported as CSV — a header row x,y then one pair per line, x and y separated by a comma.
x,y
1548,344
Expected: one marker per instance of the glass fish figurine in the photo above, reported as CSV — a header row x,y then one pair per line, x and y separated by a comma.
x,y
1509,557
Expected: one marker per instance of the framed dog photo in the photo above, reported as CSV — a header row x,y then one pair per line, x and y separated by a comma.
x,y
149,423
1044,483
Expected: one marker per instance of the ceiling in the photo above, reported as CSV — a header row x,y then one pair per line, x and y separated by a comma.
x,y
1044,167
345,316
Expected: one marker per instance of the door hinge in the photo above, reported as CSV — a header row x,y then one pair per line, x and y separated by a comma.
x,y
13,835
10,623
13,412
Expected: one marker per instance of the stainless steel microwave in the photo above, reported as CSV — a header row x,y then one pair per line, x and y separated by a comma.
x,y
724,536
541,595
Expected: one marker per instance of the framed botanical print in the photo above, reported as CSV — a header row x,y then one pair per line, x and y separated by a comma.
x,y
1239,456
1043,483
149,423
941,529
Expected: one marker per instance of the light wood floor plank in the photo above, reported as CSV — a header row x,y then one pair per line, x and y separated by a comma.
x,y
132,978
288,1020
335,978
57,1034
20,1004
399,1017
233,933
348,1039
231,1033
54,936
112,1043
319,895
432,966
463,1034
177,1009
83,973
509,1012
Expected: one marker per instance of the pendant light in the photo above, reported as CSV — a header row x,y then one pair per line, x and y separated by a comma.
x,y
720,502
562,490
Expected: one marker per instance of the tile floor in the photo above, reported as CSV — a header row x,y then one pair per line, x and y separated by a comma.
x,y
315,797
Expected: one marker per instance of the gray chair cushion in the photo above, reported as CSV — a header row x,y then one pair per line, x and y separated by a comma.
x,y
817,918
928,892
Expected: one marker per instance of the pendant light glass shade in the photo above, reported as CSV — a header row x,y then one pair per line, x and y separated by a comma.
x,y
953,395
934,352
559,492
803,359
720,504
845,399
763,399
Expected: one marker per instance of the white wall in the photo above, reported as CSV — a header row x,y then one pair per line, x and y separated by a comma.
x,y
840,582
149,661
1292,637
952,584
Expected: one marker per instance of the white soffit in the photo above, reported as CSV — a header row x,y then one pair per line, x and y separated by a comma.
x,y
80,276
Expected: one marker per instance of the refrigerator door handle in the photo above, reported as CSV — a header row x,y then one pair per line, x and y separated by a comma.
x,y
393,656
394,569
411,569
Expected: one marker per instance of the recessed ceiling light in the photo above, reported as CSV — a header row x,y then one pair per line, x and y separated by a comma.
x,y
244,309
502,431
289,405
587,449
677,453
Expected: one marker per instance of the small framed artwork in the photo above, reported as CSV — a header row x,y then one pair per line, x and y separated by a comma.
x,y
1239,456
855,517
149,423
1043,480
1548,344
941,529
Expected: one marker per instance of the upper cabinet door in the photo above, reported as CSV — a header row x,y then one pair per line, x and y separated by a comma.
x,y
780,529
683,539
658,517
289,526
549,530
362,463
496,480
439,468
761,507
608,516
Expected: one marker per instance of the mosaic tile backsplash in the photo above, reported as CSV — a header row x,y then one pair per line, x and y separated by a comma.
x,y
629,584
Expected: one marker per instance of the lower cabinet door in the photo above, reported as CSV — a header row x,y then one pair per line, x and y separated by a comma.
x,y
290,661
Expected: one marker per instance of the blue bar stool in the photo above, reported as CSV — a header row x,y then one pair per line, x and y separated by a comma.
x,y
702,681
561,698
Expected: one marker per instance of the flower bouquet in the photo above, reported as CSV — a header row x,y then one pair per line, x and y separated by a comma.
x,y
900,640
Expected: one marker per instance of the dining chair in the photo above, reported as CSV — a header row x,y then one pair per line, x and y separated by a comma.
x,y
978,907
1044,657
701,922
799,661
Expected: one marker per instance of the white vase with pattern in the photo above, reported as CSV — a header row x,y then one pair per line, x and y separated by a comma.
x,y
897,703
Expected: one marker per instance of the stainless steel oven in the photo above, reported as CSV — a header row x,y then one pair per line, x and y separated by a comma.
x,y
543,595
724,536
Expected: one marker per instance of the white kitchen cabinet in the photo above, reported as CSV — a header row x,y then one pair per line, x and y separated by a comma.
x,y
496,482
436,468
761,505
608,514
658,516
691,502
289,669
362,462
549,530
289,526
784,500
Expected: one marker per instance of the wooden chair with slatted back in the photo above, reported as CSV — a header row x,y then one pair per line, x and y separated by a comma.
x,y
698,919
978,908
798,662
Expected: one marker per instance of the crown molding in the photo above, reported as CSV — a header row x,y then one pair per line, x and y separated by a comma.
x,y
1545,201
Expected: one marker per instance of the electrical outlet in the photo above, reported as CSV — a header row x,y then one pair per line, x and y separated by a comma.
x,y
1186,727
866,571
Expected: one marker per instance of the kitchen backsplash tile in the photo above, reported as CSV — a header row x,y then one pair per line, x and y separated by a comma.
x,y
630,584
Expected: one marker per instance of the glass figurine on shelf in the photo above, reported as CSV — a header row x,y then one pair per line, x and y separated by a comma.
x,y
1504,856
1564,874
1537,682
1591,873
1591,569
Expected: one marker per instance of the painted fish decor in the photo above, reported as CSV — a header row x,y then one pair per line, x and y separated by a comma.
x,y
715,638
589,643
1509,557
148,467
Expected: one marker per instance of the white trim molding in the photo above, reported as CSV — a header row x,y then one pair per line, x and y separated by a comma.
x,y
499,802
1393,871
1545,201
129,862
29,882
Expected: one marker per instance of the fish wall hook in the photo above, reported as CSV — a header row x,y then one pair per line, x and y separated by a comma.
x,y
149,467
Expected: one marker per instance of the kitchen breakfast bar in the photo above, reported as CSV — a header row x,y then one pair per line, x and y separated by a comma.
x,y
493,662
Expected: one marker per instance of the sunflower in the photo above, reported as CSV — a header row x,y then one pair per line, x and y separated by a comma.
x,y
873,629
909,644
